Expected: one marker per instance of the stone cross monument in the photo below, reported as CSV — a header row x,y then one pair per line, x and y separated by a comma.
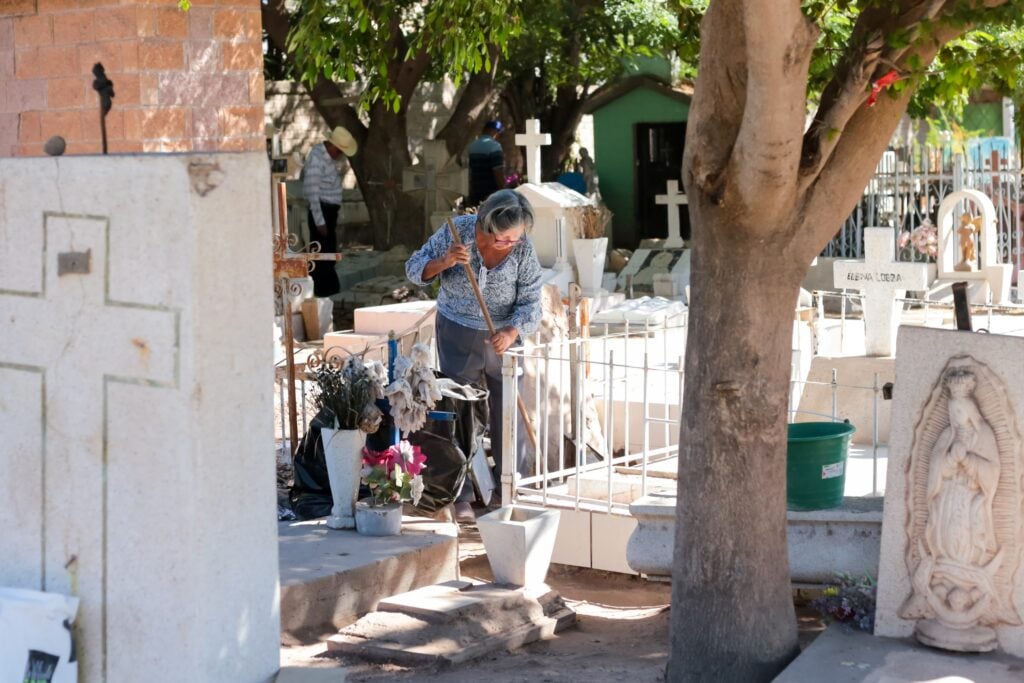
x,y
883,280
673,199
533,140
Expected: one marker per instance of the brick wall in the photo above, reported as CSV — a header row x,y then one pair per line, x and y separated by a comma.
x,y
183,81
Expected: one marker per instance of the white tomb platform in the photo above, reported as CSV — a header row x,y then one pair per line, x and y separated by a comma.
x,y
411,321
549,202
135,464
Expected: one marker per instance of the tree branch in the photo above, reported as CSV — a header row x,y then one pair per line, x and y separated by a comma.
x,y
716,111
778,43
867,58
407,73
326,95
476,100
856,153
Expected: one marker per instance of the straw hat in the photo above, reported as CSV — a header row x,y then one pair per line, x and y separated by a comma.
x,y
344,141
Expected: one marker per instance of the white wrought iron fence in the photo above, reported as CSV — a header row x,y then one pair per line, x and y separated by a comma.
x,y
606,414
910,184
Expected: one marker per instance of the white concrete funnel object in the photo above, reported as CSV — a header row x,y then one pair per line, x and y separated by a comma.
x,y
519,541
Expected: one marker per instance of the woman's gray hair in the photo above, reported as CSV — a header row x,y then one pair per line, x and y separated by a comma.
x,y
504,210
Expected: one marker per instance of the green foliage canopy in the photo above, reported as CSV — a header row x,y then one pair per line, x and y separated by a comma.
x,y
369,40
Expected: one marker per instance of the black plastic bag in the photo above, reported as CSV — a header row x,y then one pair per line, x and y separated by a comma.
x,y
311,492
446,443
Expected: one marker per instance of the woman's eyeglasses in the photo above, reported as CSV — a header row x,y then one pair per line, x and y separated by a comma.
x,y
507,243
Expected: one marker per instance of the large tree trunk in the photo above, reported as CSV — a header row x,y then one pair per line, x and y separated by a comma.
x,y
765,196
561,120
732,617
397,216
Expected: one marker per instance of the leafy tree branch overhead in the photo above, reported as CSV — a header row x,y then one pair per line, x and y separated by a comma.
x,y
542,58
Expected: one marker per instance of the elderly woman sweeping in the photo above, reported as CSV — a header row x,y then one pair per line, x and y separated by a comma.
x,y
495,246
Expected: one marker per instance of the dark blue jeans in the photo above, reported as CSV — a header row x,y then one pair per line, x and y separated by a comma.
x,y
467,357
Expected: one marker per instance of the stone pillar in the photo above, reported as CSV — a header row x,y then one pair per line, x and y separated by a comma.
x,y
136,464
183,80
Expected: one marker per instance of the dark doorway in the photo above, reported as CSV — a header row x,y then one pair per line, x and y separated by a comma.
x,y
659,159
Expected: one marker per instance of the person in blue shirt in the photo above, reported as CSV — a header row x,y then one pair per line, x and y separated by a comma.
x,y
494,243
486,164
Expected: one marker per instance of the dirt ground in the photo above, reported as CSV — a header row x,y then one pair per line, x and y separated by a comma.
x,y
621,634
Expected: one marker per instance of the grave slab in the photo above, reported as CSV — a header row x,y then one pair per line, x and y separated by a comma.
x,y
394,317
952,562
844,655
136,410
645,264
454,623
330,578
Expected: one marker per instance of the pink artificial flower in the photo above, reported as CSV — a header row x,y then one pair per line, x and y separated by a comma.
x,y
405,456
384,459
410,458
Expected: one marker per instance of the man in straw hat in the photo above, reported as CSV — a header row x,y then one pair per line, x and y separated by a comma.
x,y
321,186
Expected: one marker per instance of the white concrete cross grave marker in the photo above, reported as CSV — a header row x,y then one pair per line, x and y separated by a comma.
x,y
673,199
882,279
533,140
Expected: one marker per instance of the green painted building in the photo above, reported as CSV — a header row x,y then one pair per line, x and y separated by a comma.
x,y
639,137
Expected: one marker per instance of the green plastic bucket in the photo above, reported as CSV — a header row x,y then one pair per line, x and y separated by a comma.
x,y
816,464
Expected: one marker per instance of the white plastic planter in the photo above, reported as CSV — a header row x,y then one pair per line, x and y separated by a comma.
x,y
35,644
343,453
590,257
519,541
379,520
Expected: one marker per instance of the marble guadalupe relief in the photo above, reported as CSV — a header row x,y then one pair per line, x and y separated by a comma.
x,y
964,511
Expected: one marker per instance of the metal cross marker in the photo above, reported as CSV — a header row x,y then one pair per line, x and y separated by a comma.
x,y
288,267
883,280
673,200
71,341
533,140
105,88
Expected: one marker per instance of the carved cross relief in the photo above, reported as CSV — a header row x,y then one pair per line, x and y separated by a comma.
x,y
65,339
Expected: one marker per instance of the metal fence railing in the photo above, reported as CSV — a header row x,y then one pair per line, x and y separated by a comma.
x,y
601,406
909,185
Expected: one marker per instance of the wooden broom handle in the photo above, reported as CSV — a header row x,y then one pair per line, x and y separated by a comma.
x,y
490,328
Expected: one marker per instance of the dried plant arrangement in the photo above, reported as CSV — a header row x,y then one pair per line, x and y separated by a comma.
x,y
349,392
590,222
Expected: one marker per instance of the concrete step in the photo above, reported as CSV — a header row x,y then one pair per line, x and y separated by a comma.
x,y
331,578
454,622
845,655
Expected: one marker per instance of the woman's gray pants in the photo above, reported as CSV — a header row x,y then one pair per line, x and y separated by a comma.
x,y
467,357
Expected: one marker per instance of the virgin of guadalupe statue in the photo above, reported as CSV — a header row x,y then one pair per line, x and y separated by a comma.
x,y
963,554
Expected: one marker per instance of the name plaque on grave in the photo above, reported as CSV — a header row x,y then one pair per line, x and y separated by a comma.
x,y
874,277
